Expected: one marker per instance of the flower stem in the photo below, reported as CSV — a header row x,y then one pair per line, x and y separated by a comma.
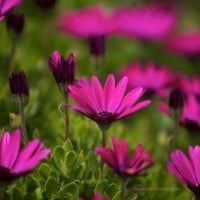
x,y
11,57
66,116
3,187
23,123
123,188
103,130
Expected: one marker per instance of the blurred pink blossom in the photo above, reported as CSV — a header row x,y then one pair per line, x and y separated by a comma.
x,y
156,80
7,5
147,22
184,43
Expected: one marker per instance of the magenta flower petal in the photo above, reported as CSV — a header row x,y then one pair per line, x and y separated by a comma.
x,y
186,170
105,104
15,163
119,161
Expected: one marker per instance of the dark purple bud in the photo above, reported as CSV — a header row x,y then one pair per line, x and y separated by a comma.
x,y
18,84
15,22
176,99
97,45
46,4
70,73
63,70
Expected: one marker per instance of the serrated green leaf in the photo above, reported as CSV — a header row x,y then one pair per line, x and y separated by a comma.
x,y
93,162
17,193
44,170
112,189
68,146
72,189
101,186
51,187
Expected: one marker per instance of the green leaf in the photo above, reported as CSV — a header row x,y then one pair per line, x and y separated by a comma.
x,y
101,186
72,189
51,187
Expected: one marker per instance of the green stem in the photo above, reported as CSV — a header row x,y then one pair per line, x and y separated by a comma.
x,y
103,131
3,187
23,123
173,140
123,188
11,57
66,116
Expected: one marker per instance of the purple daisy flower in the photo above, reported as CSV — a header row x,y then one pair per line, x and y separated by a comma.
x,y
186,169
119,161
15,162
106,104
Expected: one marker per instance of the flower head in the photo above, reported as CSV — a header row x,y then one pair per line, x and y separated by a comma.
x,y
190,86
119,161
190,117
186,169
86,22
15,162
105,104
185,43
152,22
7,5
155,80
63,69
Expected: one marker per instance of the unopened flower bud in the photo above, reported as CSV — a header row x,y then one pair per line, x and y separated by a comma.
x,y
46,4
63,69
15,23
19,86
97,45
176,99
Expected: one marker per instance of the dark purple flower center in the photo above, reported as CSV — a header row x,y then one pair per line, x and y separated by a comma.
x,y
97,45
6,174
191,125
104,117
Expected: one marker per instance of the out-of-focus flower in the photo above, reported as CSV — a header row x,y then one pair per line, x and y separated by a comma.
x,y
190,115
62,69
119,161
155,80
92,23
185,43
19,86
186,170
152,22
15,162
105,104
46,4
15,22
7,5
190,85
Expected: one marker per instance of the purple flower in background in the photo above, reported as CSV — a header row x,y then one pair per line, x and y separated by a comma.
x,y
62,69
190,114
190,85
106,104
185,43
155,80
92,23
119,161
190,117
186,169
15,162
146,22
7,5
